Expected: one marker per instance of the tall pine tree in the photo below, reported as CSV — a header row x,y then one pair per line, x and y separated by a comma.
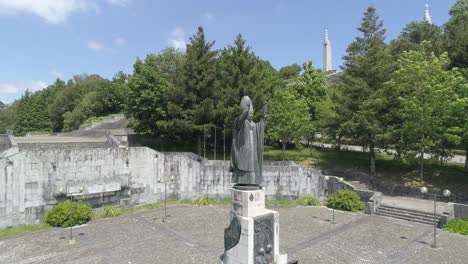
x,y
193,104
242,73
367,66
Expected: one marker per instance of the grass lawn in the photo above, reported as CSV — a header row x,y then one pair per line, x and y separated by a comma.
x,y
21,229
448,175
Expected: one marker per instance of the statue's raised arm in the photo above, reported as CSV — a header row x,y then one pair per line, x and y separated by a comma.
x,y
247,148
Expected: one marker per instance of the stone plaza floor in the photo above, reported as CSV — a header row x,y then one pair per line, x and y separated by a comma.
x,y
195,235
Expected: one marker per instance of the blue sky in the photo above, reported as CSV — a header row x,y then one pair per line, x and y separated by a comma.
x,y
45,39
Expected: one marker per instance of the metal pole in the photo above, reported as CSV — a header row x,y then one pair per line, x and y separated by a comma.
x,y
224,142
71,216
215,144
333,219
165,201
435,223
204,142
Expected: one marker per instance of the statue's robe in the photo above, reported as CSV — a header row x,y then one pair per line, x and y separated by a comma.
x,y
247,150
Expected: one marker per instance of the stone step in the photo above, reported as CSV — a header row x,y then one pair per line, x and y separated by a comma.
x,y
410,212
407,218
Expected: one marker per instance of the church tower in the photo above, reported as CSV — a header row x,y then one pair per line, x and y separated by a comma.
x,y
327,54
427,17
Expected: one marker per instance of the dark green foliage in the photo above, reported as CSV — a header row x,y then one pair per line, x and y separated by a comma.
x,y
148,96
456,34
193,102
59,215
8,117
32,114
345,200
459,226
241,72
85,109
289,72
308,201
112,95
367,67
414,34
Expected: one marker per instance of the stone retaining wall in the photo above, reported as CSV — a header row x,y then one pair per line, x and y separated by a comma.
x,y
457,210
4,143
34,177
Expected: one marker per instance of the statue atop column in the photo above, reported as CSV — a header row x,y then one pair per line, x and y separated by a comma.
x,y
247,148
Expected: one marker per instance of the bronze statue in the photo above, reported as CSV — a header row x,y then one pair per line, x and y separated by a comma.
x,y
247,148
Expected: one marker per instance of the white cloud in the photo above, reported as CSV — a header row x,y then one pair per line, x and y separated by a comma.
x,y
176,39
94,45
120,41
118,2
21,86
209,16
56,74
53,11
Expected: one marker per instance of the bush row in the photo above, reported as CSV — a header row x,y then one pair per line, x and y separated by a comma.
x,y
59,215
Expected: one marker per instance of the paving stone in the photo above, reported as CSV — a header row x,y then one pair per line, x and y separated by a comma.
x,y
194,234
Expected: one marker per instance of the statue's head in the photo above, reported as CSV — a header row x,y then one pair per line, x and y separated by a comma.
x,y
246,105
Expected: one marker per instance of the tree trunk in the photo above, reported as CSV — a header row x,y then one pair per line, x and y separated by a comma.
x,y
284,148
421,164
372,158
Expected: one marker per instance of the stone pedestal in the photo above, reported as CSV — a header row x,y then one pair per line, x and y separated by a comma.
x,y
259,236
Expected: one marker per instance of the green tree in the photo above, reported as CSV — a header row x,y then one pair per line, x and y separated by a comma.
x,y
367,67
457,132
241,73
111,95
456,34
310,87
170,62
414,34
68,96
328,121
8,117
289,73
288,118
32,114
426,90
148,96
85,109
193,104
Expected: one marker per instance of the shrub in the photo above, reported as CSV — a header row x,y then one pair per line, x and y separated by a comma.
x,y
457,226
59,215
204,201
308,201
109,212
345,200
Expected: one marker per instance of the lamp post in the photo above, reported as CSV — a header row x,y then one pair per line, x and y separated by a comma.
x,y
340,179
445,193
71,240
165,196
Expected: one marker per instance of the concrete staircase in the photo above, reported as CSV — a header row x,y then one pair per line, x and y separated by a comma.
x,y
408,214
